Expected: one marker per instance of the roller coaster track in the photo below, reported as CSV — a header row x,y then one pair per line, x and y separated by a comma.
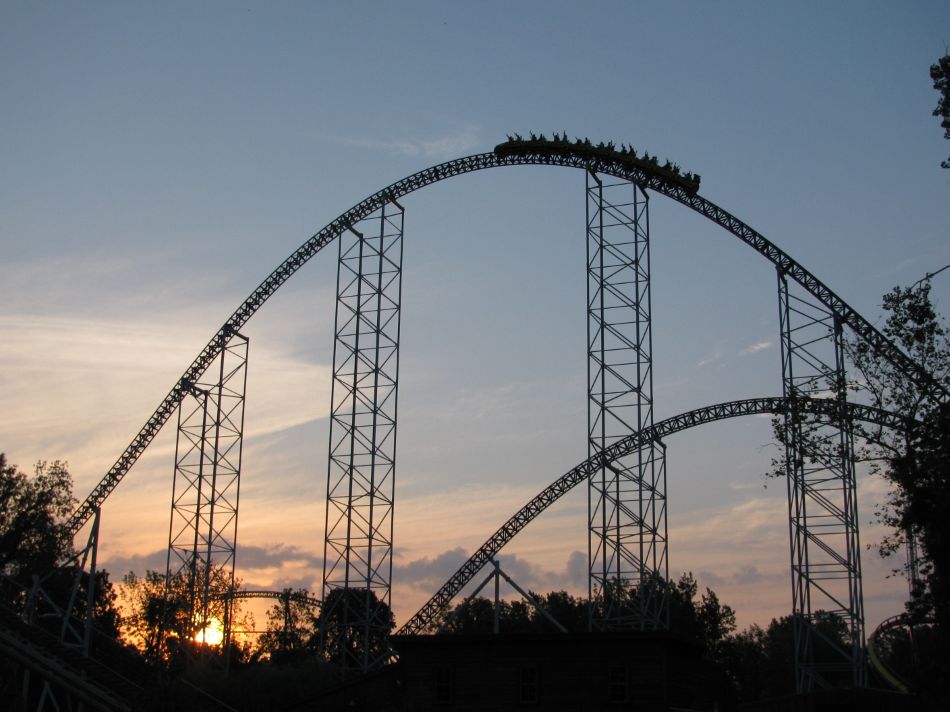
x,y
281,595
85,679
874,657
511,154
564,484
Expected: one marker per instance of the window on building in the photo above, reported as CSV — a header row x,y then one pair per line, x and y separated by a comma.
x,y
529,684
444,687
617,685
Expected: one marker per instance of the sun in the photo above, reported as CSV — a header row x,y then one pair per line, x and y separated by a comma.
x,y
212,634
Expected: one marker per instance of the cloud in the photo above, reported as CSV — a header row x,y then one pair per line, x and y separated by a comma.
x,y
713,356
429,573
755,348
80,382
746,575
311,583
448,145
277,555
528,575
118,566
254,558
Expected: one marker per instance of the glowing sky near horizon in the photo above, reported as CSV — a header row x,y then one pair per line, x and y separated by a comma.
x,y
157,161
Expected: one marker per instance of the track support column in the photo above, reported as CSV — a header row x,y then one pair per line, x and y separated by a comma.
x,y
627,498
357,569
827,599
202,538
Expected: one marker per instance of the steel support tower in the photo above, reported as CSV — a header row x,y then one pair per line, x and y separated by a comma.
x,y
627,498
202,537
822,499
357,569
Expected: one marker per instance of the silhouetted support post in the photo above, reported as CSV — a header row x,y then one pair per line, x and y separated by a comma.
x,y
69,634
627,499
74,632
497,575
202,537
822,499
362,453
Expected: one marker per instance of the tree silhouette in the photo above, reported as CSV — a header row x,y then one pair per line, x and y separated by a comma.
x,y
915,461
32,538
160,621
348,636
291,628
35,542
940,74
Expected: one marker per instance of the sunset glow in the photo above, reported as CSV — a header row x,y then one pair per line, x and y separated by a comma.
x,y
212,634
146,192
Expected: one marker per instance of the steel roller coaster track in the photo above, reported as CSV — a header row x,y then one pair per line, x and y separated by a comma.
x,y
513,153
280,595
564,484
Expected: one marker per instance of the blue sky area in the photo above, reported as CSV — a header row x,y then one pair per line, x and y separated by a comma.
x,y
158,160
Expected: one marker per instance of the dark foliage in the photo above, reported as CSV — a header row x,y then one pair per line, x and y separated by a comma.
x,y
32,539
760,663
346,637
162,624
36,547
915,461
292,629
940,74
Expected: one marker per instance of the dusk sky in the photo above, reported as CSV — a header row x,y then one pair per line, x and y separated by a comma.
x,y
158,160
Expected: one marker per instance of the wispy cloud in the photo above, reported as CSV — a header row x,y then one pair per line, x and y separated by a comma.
x,y
84,380
249,558
428,573
447,145
755,348
715,355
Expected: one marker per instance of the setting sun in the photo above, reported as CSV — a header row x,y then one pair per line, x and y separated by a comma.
x,y
213,633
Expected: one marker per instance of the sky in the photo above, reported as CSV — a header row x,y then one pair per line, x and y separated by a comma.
x,y
157,161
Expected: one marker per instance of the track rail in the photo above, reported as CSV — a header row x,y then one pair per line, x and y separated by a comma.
x,y
564,484
281,595
874,657
572,156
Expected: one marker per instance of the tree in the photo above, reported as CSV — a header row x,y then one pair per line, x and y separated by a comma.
x,y
570,611
35,542
478,616
146,615
915,460
346,636
161,622
940,74
32,538
705,621
759,663
291,628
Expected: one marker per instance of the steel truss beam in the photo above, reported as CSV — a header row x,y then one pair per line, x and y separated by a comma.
x,y
822,499
56,679
362,453
202,532
626,497
608,162
564,484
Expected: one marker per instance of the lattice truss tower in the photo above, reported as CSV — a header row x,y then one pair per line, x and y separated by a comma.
x,y
202,535
362,452
627,534
823,513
